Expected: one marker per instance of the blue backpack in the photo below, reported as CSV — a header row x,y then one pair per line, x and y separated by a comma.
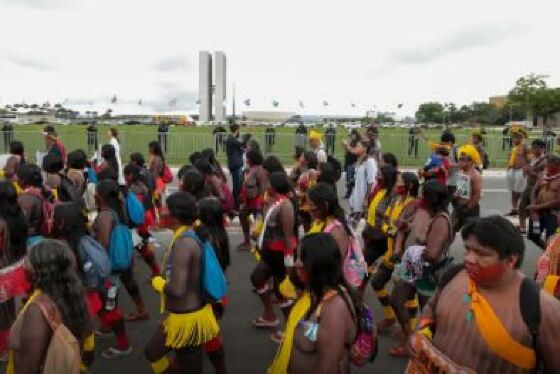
x,y
95,262
214,285
121,247
135,210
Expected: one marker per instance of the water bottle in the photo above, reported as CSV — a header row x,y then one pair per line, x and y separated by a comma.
x,y
536,227
111,298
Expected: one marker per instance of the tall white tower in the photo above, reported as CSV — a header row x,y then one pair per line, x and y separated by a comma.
x,y
220,84
205,86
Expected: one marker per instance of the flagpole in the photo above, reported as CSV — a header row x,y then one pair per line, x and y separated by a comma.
x,y
233,103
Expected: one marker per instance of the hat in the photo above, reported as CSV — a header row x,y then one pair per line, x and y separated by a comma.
x,y
314,135
472,152
435,146
49,132
518,130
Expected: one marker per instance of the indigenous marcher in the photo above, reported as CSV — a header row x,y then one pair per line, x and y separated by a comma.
x,y
350,160
193,183
317,146
400,210
53,165
189,321
375,240
277,243
516,180
328,217
137,184
54,145
211,156
477,141
234,152
297,169
110,166
308,178
388,158
546,203
508,325
533,171
58,299
17,157
31,201
548,267
156,165
110,210
13,236
114,140
322,325
452,168
212,182
77,162
468,192
365,174
252,194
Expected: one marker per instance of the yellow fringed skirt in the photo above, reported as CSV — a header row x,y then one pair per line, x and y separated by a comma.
x,y
190,329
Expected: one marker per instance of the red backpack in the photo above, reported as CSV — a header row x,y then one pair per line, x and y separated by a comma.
x,y
47,212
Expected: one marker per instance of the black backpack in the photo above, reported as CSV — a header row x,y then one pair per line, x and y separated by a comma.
x,y
529,301
67,192
150,179
336,165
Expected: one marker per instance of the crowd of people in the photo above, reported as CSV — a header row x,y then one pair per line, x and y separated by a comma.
x,y
66,249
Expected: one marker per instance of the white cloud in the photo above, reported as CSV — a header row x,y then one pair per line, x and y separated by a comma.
x,y
369,53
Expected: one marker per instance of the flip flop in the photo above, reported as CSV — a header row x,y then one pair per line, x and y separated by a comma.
x,y
136,316
277,337
399,350
112,352
261,322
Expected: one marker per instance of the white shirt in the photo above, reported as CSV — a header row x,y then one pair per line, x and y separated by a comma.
x,y
365,174
321,154
115,143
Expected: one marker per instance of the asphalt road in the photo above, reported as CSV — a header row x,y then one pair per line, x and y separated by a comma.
x,y
249,350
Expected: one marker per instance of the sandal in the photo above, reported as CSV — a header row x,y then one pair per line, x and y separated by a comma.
x,y
399,350
137,316
512,213
244,247
261,322
112,352
277,337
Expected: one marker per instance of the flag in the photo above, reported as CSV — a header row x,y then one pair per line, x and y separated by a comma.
x,y
114,99
325,103
399,106
197,102
275,103
247,102
301,104
140,102
352,105
173,103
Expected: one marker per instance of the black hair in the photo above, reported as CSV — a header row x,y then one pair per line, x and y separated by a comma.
x,y
56,276
272,165
77,159
194,183
49,129
280,182
70,225
254,156
204,166
155,148
182,206
16,148
310,159
138,159
324,197
195,156
447,137
411,183
322,260
108,190
436,195
478,136
499,234
327,174
109,155
108,173
11,212
233,127
211,214
298,151
30,175
389,175
135,172
184,169
52,163
210,155
390,159
538,143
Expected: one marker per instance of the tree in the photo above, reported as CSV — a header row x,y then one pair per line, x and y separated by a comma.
x,y
525,91
431,112
546,102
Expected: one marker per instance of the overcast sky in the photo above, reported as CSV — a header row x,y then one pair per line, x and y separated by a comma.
x,y
371,53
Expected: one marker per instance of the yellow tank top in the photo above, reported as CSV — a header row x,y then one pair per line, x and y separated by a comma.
x,y
373,206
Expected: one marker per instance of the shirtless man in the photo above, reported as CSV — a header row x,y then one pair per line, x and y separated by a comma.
x,y
533,171
515,178
188,321
546,203
489,336
469,190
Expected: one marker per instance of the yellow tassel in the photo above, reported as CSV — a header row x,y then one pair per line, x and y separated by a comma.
x,y
190,329
160,366
550,283
89,343
382,293
287,289
388,313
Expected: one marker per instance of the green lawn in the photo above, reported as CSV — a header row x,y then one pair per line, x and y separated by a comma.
x,y
182,141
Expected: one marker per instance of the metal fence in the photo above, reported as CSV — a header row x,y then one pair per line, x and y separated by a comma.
x,y
179,145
